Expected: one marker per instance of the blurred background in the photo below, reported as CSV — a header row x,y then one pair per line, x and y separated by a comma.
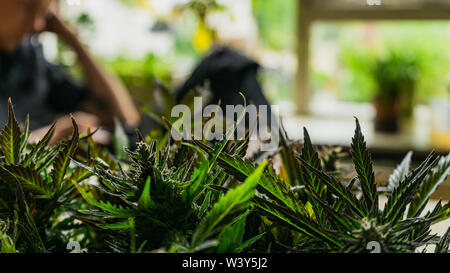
x,y
324,61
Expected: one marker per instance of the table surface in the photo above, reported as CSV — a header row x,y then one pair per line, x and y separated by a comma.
x,y
419,134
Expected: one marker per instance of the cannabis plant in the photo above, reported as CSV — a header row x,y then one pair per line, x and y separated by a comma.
x,y
162,203
200,196
327,215
35,182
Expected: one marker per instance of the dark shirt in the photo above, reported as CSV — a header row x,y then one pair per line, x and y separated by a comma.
x,y
36,87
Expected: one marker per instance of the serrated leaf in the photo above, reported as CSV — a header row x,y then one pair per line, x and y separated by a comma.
x,y
249,243
338,189
29,179
145,200
300,222
310,179
111,210
10,138
293,170
123,225
269,183
342,221
402,195
443,244
432,181
400,172
312,158
362,160
62,161
231,236
199,177
233,201
81,174
39,147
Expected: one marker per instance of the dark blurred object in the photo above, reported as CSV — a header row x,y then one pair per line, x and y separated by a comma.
x,y
37,87
160,26
229,73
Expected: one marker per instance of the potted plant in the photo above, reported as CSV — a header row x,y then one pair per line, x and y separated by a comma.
x,y
395,78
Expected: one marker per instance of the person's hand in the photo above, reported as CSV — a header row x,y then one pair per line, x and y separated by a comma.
x,y
64,129
55,24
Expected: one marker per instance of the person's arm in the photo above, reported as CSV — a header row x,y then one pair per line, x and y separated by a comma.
x,y
102,85
86,122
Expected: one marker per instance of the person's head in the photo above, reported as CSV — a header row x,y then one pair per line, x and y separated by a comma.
x,y
19,18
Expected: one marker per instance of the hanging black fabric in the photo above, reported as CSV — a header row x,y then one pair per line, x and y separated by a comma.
x,y
229,73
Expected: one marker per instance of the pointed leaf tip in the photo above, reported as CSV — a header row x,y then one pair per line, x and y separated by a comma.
x,y
358,126
305,133
11,137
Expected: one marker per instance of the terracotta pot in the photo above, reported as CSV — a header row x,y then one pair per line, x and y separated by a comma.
x,y
388,116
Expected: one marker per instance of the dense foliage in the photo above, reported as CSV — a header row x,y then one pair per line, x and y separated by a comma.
x,y
396,60
208,197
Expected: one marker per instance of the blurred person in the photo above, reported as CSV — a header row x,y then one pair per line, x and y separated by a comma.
x,y
44,90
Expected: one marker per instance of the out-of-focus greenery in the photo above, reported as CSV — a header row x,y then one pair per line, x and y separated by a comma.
x,y
204,36
399,70
318,79
407,47
357,84
193,37
383,74
201,8
139,75
276,23
190,42
141,71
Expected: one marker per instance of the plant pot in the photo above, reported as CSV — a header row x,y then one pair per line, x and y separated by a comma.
x,y
387,119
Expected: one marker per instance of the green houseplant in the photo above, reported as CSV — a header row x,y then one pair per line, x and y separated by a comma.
x,y
390,78
395,77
